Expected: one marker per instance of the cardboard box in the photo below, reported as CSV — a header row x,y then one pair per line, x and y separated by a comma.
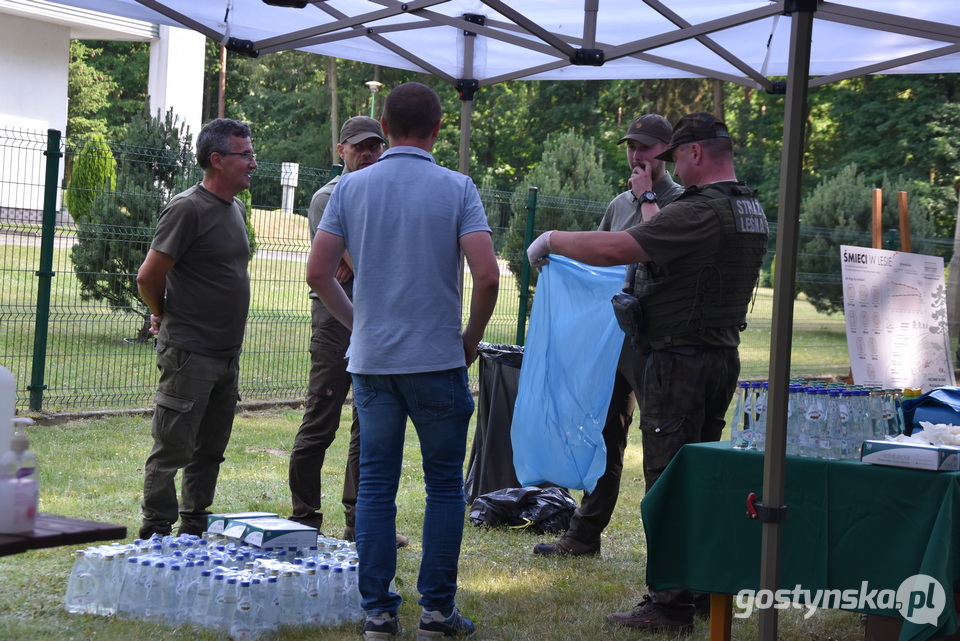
x,y
216,523
939,458
271,532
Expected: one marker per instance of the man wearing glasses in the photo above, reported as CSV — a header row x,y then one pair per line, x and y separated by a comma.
x,y
195,282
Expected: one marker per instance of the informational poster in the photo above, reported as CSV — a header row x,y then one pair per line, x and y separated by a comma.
x,y
896,317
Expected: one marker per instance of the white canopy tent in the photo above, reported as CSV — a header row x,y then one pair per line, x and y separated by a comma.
x,y
476,43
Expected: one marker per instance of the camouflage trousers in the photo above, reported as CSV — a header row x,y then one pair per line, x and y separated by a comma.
x,y
686,392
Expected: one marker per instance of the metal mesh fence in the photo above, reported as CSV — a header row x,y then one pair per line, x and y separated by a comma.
x,y
90,354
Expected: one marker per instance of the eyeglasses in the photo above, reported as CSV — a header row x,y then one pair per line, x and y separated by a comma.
x,y
249,155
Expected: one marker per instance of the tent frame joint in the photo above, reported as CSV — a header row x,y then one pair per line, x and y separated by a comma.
x,y
466,87
793,6
588,58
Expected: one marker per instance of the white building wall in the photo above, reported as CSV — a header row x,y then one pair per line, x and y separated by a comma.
x,y
33,76
33,98
35,50
176,75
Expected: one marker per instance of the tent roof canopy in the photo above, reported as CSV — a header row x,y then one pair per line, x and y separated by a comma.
x,y
741,41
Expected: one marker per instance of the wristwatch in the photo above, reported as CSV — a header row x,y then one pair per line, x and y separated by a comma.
x,y
648,197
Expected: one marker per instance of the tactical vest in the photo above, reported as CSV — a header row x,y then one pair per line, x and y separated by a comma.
x,y
718,293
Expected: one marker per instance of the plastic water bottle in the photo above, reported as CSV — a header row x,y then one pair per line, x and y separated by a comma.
x,y
111,578
216,588
737,424
830,442
878,428
812,427
849,423
242,624
187,593
338,594
270,607
289,598
82,585
171,590
749,415
131,575
353,613
312,606
796,408
201,601
223,606
325,594
153,589
760,418
890,400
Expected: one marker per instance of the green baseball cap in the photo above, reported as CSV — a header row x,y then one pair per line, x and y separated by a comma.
x,y
694,128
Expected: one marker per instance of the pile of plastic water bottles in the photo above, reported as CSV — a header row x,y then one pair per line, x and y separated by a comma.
x,y
243,592
823,420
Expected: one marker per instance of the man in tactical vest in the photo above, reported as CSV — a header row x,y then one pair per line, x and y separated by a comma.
x,y
647,136
699,262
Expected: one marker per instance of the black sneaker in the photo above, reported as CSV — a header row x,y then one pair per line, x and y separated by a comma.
x,y
433,625
654,617
567,546
382,626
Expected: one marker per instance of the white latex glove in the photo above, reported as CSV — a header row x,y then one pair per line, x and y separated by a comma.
x,y
538,250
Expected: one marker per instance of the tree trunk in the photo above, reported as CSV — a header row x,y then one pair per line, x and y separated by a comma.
x,y
718,100
334,109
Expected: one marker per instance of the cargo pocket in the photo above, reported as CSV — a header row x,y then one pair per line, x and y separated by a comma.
x,y
169,416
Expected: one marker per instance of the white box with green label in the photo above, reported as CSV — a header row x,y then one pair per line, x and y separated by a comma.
x,y
271,532
216,523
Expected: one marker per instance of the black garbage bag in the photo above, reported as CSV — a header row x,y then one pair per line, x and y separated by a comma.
x,y
540,510
491,456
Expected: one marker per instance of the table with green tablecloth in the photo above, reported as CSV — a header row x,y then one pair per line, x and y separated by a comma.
x,y
849,525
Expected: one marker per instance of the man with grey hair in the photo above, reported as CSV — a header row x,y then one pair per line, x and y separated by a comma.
x,y
194,280
647,136
361,144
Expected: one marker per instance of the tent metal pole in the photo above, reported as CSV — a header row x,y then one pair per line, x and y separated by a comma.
x,y
466,115
788,224
466,102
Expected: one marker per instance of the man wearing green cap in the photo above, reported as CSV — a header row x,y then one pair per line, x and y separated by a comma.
x,y
699,262
646,137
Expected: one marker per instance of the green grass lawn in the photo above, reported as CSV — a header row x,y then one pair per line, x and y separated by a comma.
x,y
93,469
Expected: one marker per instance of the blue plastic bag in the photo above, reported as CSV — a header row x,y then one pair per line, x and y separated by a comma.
x,y
566,378
940,405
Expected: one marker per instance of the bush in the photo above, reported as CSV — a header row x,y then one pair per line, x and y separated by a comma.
x,y
94,171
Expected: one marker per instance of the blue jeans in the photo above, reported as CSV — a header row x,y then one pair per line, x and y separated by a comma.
x,y
440,406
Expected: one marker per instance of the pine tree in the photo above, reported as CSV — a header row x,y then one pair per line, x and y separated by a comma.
x,y
573,193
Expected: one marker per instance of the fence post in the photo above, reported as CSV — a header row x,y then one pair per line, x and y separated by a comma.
x,y
289,177
45,273
525,266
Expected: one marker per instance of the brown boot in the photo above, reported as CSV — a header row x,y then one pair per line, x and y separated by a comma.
x,y
655,617
567,546
402,541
